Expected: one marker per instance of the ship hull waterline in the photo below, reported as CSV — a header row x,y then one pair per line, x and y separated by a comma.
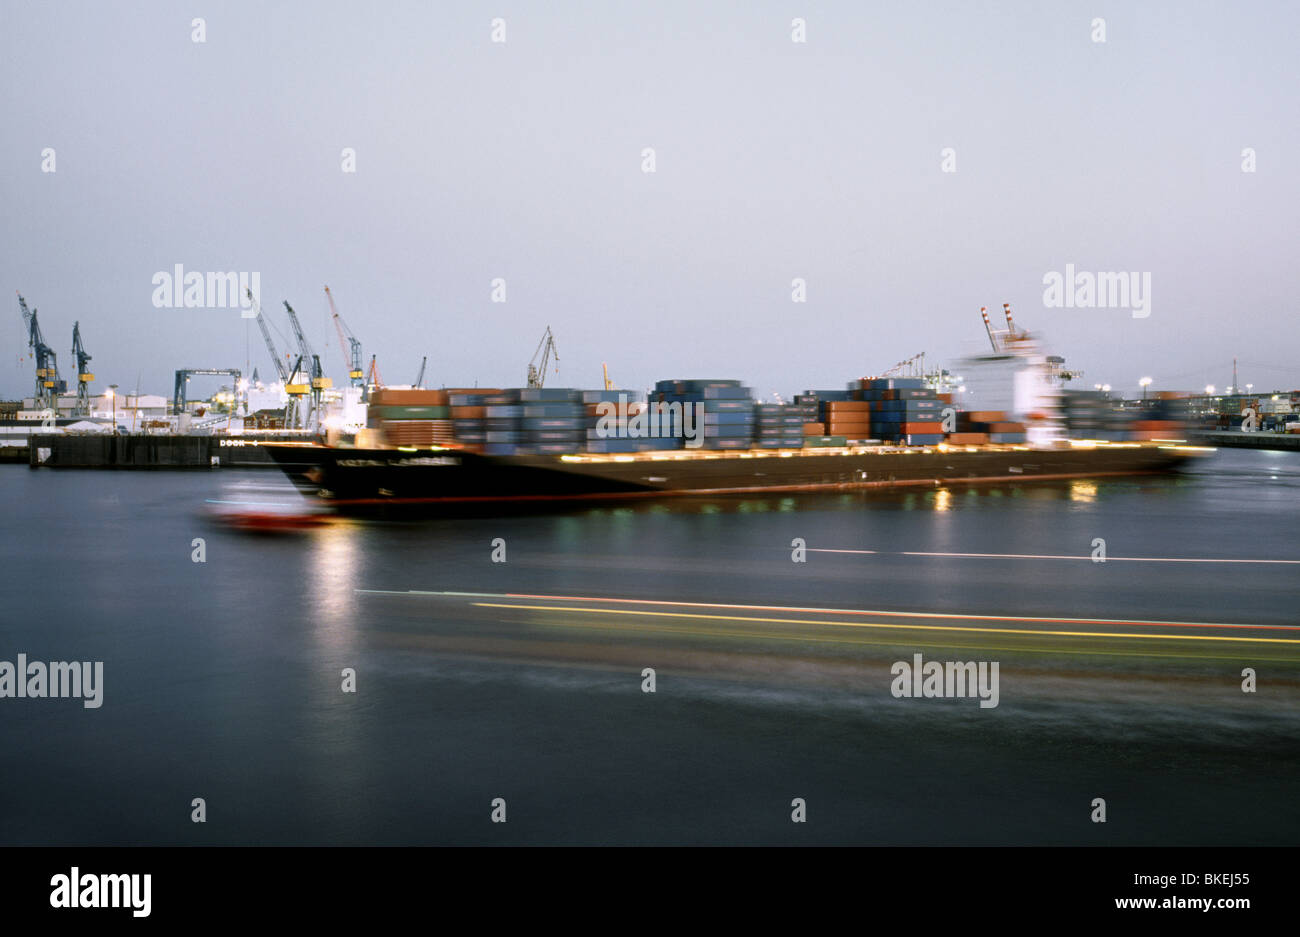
x,y
401,483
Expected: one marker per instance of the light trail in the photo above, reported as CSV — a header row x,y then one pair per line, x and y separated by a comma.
x,y
948,616
876,624
1052,556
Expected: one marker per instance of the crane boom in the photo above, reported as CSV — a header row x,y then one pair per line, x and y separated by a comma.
x,y
545,348
988,327
84,377
281,371
303,348
48,385
348,344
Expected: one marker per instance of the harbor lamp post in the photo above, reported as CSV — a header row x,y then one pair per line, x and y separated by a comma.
x,y
112,395
1145,382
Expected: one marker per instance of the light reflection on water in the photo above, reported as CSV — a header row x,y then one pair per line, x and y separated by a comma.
x,y
1083,491
334,573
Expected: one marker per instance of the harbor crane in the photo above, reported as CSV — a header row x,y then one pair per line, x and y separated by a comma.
x,y
183,379
604,369
84,377
294,406
48,385
1002,340
374,380
349,344
319,382
545,348
914,366
419,378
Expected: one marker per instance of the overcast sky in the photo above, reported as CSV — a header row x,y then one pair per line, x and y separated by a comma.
x,y
774,160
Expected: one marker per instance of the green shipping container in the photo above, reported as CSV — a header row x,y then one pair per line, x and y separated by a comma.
x,y
815,441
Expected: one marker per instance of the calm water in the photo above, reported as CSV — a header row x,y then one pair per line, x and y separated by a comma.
x,y
222,678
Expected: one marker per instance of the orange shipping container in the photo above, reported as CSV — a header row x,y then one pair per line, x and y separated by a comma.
x,y
927,427
983,416
968,439
837,407
392,397
814,429
633,408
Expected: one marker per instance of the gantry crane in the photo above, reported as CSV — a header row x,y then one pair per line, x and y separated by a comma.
x,y
1003,340
374,380
48,385
84,377
349,344
545,348
604,370
319,382
419,378
183,379
915,366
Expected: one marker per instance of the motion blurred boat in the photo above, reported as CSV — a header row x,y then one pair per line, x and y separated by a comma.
x,y
267,508
363,480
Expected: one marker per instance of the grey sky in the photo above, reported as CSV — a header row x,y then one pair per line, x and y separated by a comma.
x,y
775,160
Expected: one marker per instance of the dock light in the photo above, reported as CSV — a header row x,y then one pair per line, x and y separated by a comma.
x,y
1106,388
112,395
1145,383
1248,387
1209,388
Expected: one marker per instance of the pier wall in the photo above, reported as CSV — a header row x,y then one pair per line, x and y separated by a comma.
x,y
1236,439
140,451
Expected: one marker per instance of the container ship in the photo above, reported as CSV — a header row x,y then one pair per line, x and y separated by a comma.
x,y
428,451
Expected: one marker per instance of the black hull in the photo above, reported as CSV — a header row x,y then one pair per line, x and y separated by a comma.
x,y
398,483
